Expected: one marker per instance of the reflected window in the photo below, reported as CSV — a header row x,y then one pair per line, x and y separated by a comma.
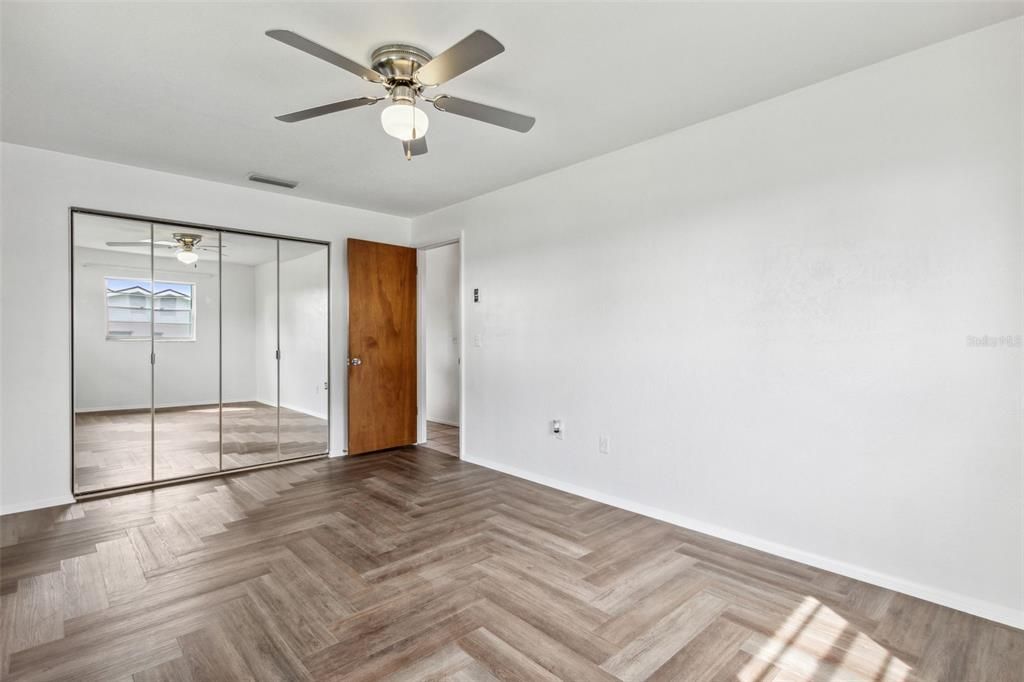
x,y
132,304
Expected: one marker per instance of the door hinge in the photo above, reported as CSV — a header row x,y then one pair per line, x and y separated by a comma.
x,y
152,358
277,354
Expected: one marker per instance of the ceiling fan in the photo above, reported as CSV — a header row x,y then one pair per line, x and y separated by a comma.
x,y
186,244
405,72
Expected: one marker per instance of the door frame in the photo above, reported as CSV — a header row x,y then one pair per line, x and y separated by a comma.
x,y
115,490
421,345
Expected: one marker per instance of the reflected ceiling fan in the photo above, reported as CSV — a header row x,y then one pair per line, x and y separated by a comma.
x,y
186,244
405,72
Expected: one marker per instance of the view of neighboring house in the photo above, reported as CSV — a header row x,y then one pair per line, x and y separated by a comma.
x,y
128,309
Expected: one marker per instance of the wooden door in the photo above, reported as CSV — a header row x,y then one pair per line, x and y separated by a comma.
x,y
381,346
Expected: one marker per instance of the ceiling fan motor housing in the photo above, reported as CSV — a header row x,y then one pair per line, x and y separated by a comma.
x,y
187,240
404,93
398,62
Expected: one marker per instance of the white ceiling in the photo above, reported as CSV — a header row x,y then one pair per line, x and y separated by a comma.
x,y
192,88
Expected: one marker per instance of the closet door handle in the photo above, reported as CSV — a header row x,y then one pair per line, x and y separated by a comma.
x,y
355,362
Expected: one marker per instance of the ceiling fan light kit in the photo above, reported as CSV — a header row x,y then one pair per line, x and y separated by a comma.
x,y
402,119
185,245
186,253
405,71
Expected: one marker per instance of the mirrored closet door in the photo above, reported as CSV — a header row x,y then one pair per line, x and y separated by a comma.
x,y
196,350
186,383
112,279
304,369
250,364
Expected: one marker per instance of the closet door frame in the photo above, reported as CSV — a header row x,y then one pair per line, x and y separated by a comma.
x,y
78,210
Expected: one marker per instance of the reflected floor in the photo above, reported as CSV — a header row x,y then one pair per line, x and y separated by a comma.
x,y
443,438
112,448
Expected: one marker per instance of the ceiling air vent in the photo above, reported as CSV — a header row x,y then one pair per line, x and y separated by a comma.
x,y
276,182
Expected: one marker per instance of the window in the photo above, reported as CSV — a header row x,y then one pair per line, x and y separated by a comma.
x,y
129,306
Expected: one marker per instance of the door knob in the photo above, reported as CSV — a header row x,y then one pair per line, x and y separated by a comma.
x,y
355,362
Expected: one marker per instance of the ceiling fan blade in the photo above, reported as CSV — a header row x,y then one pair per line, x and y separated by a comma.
x,y
327,109
321,52
414,147
471,51
482,112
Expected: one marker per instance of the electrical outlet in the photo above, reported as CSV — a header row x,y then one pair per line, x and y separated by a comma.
x,y
603,445
478,340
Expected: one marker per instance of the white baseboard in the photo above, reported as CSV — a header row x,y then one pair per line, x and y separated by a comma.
x,y
995,612
136,407
293,408
161,406
36,504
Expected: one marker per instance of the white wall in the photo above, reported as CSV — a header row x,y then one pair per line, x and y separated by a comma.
x,y
38,187
441,330
114,375
768,313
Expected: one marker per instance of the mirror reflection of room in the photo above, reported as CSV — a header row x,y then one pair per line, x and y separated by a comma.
x,y
249,361
113,289
176,339
303,326
186,394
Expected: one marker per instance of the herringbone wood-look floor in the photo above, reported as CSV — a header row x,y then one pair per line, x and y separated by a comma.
x,y
412,565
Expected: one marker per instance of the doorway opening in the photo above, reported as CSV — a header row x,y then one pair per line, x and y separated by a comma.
x,y
440,348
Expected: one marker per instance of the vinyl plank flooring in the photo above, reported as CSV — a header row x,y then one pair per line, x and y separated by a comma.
x,y
38,612
642,657
266,655
84,588
414,565
120,566
209,655
501,659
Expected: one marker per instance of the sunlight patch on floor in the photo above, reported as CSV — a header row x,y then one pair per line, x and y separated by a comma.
x,y
816,643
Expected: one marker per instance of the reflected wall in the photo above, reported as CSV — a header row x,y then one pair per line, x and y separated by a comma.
x,y
304,383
